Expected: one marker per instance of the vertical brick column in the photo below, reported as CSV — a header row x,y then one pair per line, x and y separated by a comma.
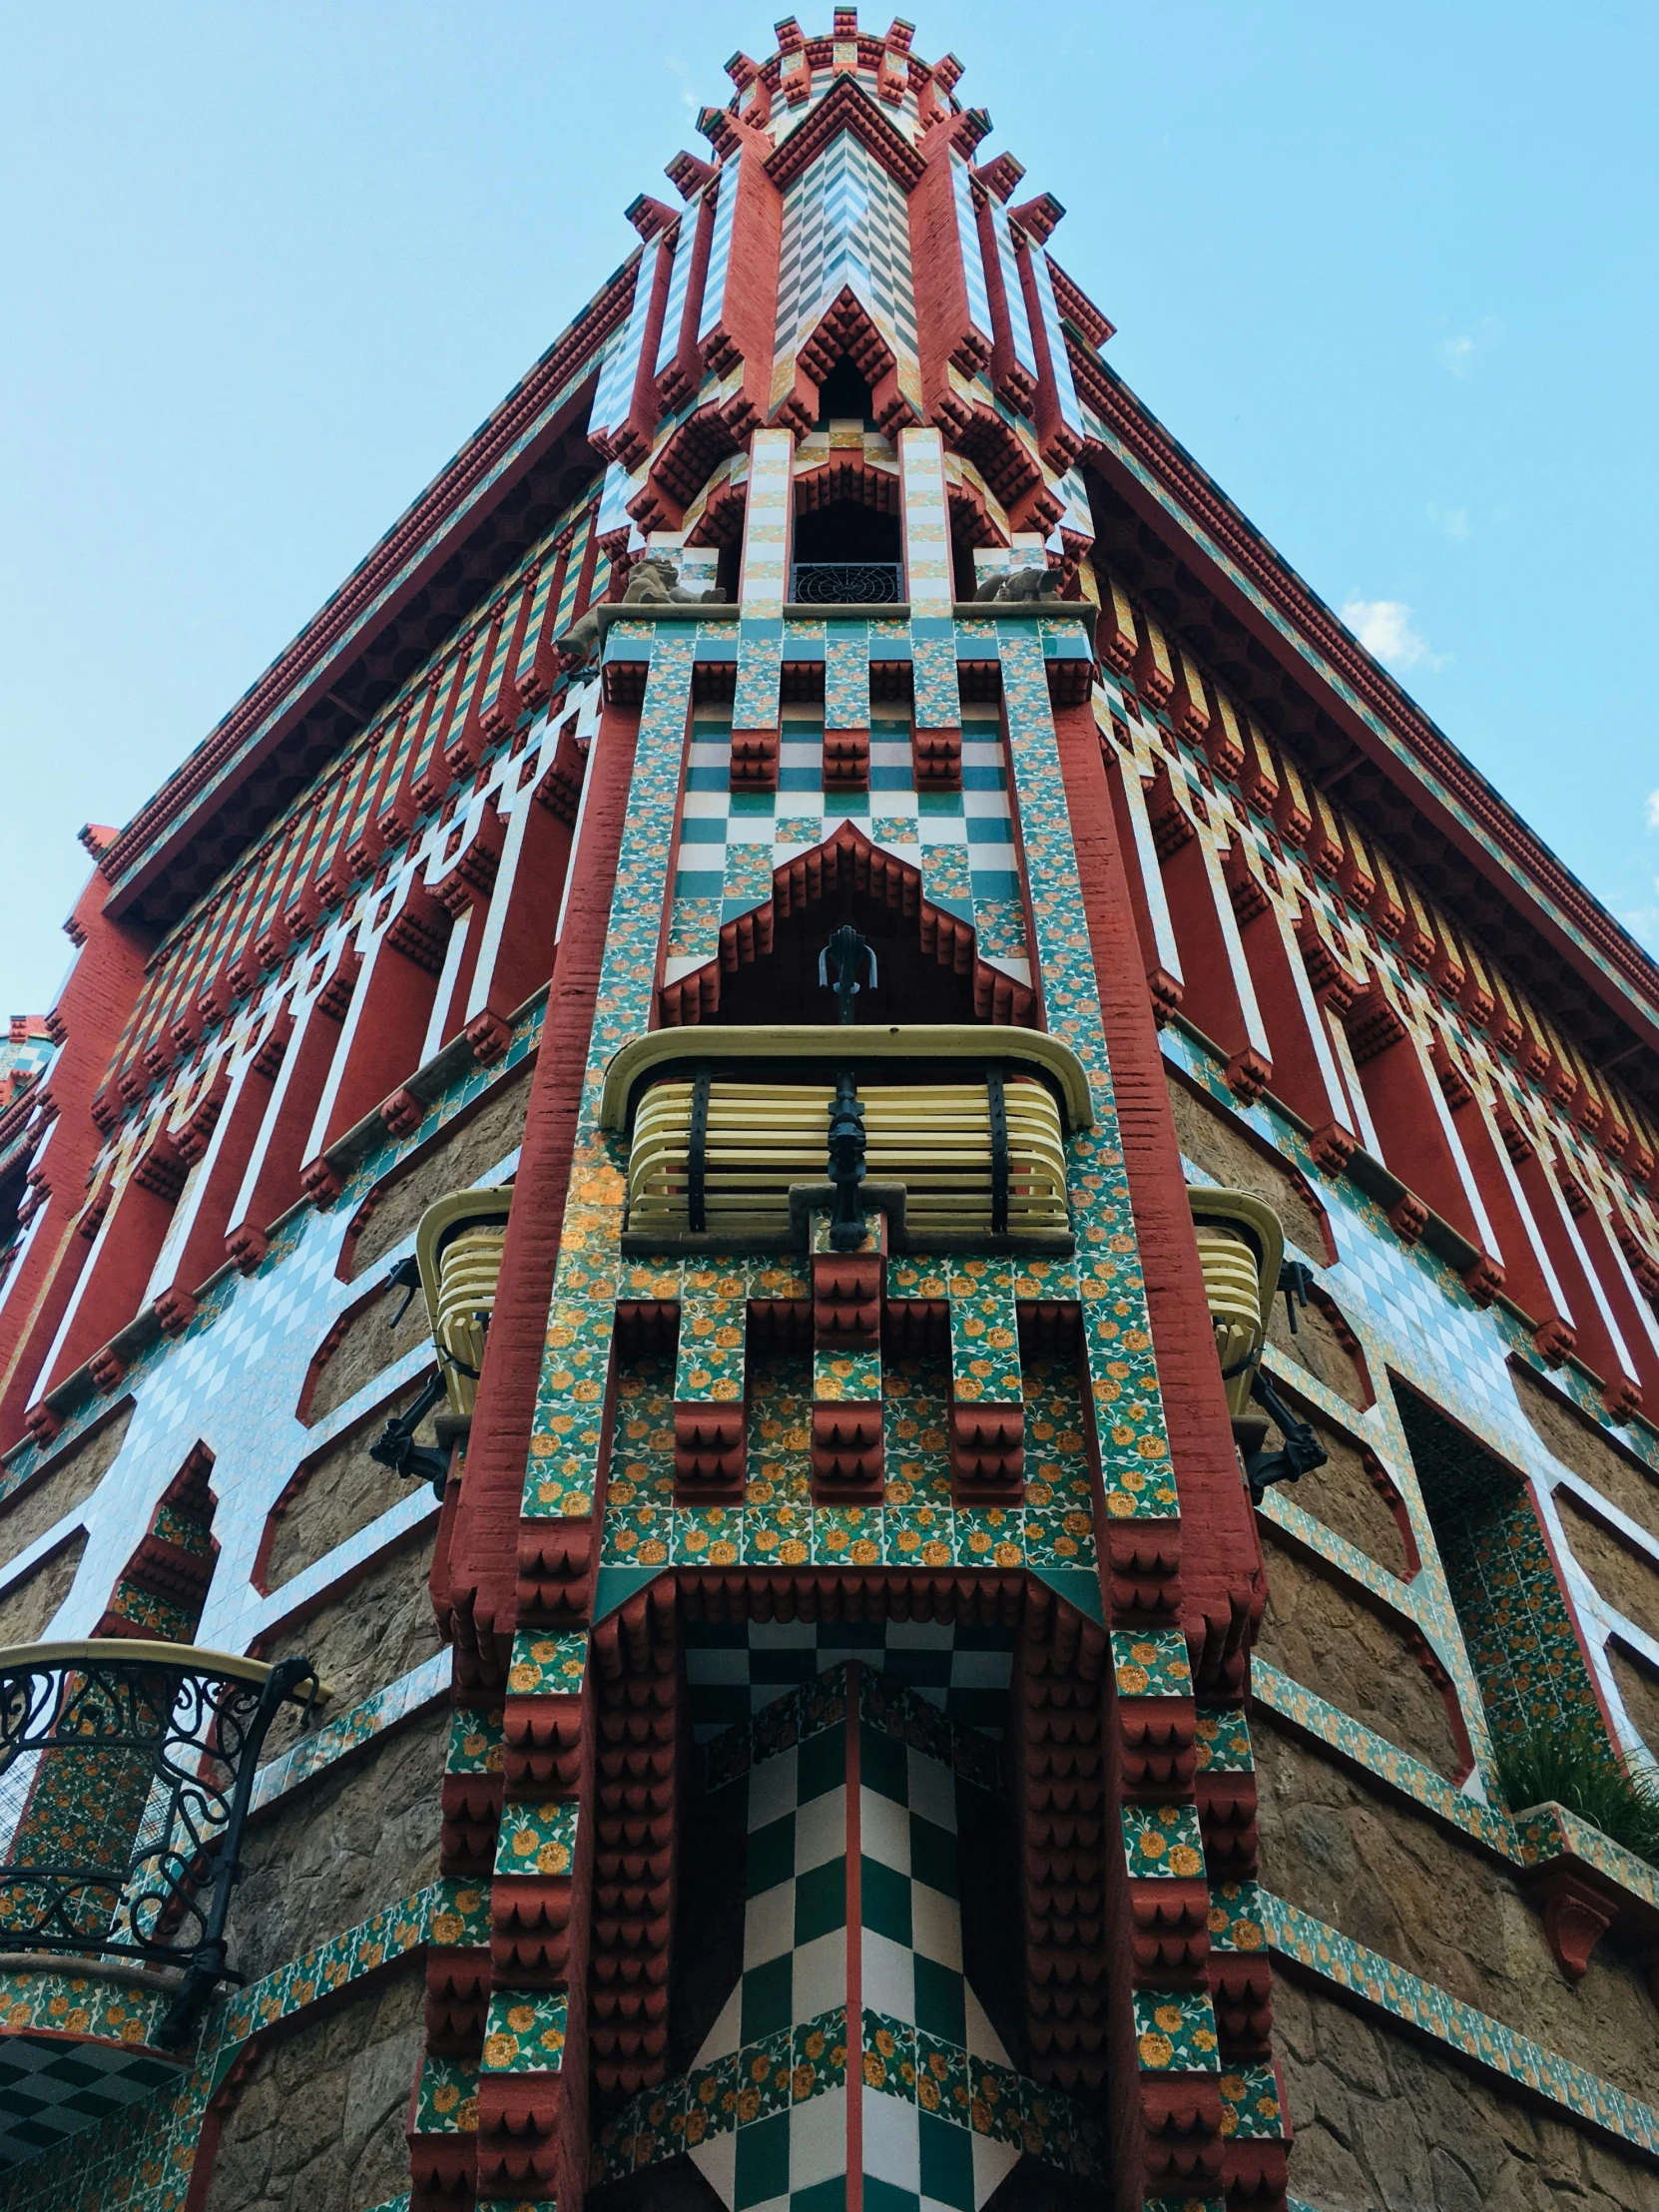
x,y
1063,1758
520,2085
1159,1900
1152,1426
1223,1587
89,1016
847,1293
637,1657
927,569
709,1389
936,734
442,2128
846,705
1256,2125
987,1412
767,529
533,2082
483,1550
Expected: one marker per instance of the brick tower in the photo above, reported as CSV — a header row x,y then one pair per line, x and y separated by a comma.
x,y
828,1349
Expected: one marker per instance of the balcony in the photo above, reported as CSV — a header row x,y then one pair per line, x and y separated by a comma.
x,y
846,584
959,1134
126,1769
1240,1248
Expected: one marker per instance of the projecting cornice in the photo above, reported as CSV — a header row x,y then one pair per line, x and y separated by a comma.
x,y
481,471
1384,722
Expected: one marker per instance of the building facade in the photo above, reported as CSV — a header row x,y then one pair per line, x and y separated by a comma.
x,y
837,1627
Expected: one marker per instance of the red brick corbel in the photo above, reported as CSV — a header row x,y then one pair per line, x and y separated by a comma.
x,y
1577,1913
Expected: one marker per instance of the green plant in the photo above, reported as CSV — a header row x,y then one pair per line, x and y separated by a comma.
x,y
1550,1762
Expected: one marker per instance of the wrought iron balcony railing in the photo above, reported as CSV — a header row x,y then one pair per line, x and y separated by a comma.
x,y
126,1769
846,584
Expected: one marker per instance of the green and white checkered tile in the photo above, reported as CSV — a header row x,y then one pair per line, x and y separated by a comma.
x,y
730,841
52,2088
763,2113
737,1671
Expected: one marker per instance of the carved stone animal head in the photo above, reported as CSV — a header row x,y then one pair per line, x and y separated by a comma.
x,y
1030,583
581,637
1019,583
651,579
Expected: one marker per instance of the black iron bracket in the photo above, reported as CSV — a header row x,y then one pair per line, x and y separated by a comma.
x,y
407,1277
847,1226
844,952
397,1449
1300,1455
1296,1280
697,1156
996,1099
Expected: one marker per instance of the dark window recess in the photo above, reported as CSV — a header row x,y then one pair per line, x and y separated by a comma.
x,y
846,530
846,553
843,397
12,1189
783,985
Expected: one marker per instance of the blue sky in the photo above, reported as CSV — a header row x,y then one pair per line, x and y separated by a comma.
x,y
1388,274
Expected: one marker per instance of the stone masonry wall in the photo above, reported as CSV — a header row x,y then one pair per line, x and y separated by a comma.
x,y
1388,2126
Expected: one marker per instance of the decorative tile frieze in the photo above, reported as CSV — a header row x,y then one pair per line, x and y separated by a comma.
x,y
411,1694
537,1838
476,1739
1051,1529
1251,2107
446,2097
1224,1740
1237,1916
1475,2036
1316,1716
547,1666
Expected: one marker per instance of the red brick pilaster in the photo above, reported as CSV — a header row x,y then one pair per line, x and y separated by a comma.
x,y
97,999
483,1562
1221,1567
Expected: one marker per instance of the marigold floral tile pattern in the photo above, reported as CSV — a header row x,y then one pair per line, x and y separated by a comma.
x,y
1485,1600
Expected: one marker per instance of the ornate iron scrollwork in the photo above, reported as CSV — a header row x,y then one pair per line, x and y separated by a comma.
x,y
126,1770
846,584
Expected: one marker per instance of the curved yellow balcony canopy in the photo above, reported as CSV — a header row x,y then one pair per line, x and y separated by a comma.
x,y
869,1047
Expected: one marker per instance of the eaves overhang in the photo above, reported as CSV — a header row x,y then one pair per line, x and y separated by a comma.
x,y
526,424
1161,481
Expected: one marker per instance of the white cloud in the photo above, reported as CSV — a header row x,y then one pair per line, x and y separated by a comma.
x,y
1384,627
688,98
1463,349
1454,521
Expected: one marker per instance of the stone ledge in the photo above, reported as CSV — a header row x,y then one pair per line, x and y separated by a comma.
x,y
1584,1884
1472,2035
